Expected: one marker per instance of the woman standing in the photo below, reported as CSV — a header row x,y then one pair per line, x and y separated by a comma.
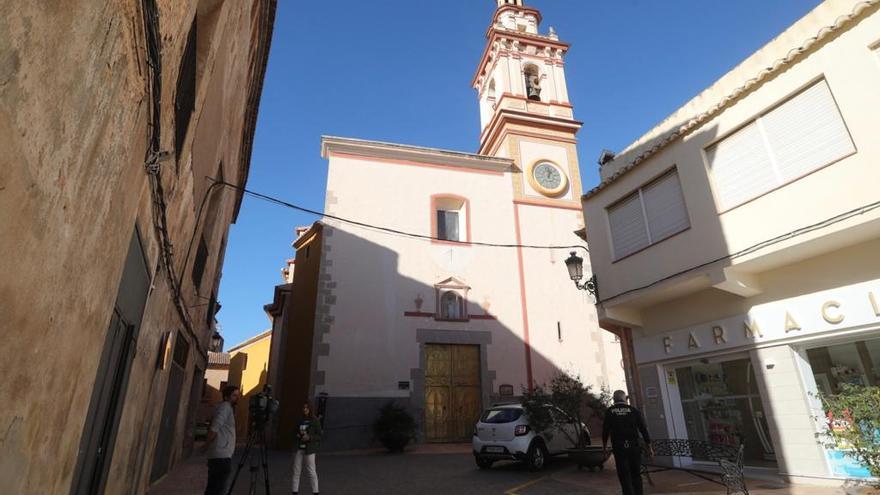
x,y
308,440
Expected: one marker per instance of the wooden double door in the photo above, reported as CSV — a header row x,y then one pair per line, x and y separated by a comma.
x,y
452,392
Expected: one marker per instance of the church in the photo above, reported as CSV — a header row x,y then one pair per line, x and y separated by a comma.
x,y
449,307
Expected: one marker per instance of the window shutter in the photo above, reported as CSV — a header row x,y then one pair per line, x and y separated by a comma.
x,y
664,205
441,224
741,167
185,95
452,225
797,137
198,271
628,232
806,132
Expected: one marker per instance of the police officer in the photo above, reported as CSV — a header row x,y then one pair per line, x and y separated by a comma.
x,y
623,423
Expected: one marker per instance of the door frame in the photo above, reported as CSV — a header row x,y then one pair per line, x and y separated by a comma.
x,y
101,423
672,397
452,337
164,449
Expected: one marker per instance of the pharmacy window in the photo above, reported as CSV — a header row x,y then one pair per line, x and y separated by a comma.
x,y
856,363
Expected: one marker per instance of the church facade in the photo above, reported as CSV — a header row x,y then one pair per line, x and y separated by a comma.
x,y
463,313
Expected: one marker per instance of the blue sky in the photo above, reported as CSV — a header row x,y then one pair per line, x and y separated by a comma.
x,y
400,71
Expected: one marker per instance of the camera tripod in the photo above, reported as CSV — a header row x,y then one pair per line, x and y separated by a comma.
x,y
256,440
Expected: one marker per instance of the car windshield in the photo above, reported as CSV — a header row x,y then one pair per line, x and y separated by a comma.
x,y
501,415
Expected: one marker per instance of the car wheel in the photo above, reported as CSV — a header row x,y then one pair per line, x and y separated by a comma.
x,y
483,463
537,456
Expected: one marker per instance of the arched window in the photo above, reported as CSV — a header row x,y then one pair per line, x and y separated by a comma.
x,y
490,93
533,82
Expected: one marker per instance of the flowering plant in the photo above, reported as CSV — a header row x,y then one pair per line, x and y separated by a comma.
x,y
853,424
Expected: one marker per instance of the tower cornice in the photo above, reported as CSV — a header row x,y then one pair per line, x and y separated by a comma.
x,y
497,35
515,8
503,119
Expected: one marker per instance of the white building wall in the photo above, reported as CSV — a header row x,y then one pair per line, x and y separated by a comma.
x,y
379,276
849,66
369,313
833,263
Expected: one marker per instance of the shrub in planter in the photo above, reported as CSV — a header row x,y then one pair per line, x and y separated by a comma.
x,y
853,425
394,427
569,394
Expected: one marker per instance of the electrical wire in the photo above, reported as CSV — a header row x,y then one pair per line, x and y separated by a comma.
x,y
758,246
152,167
387,230
755,247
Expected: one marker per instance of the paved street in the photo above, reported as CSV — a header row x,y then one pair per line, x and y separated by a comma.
x,y
450,470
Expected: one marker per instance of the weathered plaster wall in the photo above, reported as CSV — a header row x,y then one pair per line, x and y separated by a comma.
x,y
295,358
73,138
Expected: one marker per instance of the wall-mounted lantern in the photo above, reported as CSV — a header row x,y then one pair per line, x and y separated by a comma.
x,y
575,265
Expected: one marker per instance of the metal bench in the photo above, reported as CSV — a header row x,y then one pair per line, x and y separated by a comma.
x,y
729,459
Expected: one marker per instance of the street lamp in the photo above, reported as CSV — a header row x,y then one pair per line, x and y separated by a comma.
x,y
216,342
575,265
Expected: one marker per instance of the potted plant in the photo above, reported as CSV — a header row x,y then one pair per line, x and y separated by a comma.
x,y
853,426
395,427
578,404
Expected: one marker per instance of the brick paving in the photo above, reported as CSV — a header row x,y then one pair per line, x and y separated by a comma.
x,y
449,469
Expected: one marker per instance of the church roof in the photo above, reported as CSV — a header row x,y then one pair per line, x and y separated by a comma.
x,y
382,150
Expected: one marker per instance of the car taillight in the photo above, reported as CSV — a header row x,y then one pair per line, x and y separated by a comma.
x,y
521,430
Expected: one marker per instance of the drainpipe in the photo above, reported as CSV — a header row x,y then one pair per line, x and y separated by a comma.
x,y
630,368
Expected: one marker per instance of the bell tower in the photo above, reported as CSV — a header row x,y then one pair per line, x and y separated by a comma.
x,y
525,113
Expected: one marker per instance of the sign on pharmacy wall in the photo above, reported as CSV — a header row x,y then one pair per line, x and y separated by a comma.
x,y
835,309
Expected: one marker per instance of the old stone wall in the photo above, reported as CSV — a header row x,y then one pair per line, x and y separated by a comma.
x,y
75,109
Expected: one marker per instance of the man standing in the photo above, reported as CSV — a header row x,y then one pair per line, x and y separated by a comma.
x,y
221,442
623,423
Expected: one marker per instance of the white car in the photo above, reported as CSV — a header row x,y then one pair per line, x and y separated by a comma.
x,y
503,433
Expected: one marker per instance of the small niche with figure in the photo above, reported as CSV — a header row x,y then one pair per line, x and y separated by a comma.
x,y
533,82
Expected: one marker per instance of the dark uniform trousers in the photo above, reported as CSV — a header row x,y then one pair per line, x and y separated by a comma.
x,y
218,476
628,461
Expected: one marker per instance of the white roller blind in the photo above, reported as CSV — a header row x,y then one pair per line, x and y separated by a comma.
x,y
628,230
797,137
806,132
740,165
664,206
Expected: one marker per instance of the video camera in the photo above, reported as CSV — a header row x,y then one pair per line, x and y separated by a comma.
x,y
262,406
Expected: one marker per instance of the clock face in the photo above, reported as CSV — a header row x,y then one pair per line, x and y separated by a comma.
x,y
547,175
547,178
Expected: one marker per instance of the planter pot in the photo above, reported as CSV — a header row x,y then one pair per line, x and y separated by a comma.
x,y
395,441
589,457
862,490
860,487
